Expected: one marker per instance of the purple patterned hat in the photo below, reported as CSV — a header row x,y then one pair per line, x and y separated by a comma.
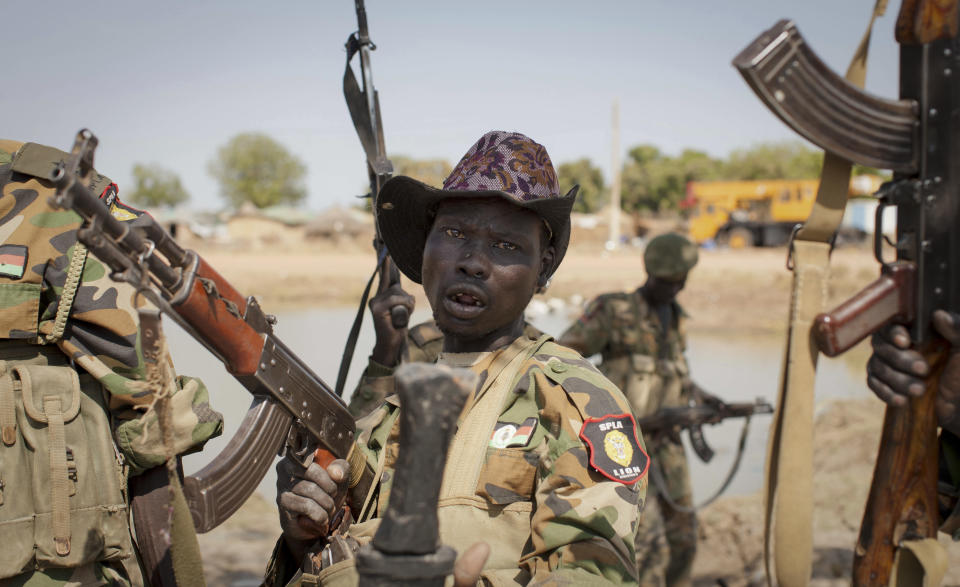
x,y
506,165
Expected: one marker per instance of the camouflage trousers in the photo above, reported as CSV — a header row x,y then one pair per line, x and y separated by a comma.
x,y
667,539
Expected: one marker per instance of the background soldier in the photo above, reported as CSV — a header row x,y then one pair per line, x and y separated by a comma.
x,y
640,338
517,474
74,408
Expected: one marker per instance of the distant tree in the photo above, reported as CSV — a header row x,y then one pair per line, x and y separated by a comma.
x,y
592,195
429,171
785,160
252,167
654,181
156,187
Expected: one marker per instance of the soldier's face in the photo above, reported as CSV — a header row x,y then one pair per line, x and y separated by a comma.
x,y
482,262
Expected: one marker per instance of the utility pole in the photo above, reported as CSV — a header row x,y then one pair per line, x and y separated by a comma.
x,y
614,235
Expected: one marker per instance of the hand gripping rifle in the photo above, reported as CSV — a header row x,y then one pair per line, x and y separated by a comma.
x,y
692,418
364,106
292,410
918,137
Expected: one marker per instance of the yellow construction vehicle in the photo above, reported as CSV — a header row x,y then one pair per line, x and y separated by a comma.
x,y
755,212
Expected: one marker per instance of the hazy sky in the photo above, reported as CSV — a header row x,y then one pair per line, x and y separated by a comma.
x,y
170,82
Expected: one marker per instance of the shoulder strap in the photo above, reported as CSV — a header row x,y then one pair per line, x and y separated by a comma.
x,y
788,508
40,161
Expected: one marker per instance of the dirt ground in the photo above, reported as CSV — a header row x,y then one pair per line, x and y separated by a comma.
x,y
730,291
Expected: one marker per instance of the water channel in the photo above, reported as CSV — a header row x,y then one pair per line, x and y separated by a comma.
x,y
739,368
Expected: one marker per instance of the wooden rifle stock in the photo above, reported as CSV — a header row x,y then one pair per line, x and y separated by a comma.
x,y
902,503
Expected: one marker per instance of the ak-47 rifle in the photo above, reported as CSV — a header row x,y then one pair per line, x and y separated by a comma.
x,y
693,418
918,137
292,410
670,421
364,106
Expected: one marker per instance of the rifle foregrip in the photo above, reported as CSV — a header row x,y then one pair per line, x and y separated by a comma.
x,y
888,298
216,310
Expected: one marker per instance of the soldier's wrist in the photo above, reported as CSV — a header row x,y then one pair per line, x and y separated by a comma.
x,y
377,369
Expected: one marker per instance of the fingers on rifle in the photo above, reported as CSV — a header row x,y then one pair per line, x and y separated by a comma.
x,y
904,360
895,334
325,479
883,391
469,565
948,325
902,383
386,303
308,515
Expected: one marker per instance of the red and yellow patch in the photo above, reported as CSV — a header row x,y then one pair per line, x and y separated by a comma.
x,y
614,448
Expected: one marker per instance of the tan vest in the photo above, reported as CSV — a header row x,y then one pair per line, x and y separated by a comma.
x,y
465,517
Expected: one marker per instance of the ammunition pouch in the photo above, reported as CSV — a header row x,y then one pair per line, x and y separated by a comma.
x,y
62,481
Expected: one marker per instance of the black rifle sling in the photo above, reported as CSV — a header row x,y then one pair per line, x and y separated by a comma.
x,y
351,345
357,104
364,127
661,484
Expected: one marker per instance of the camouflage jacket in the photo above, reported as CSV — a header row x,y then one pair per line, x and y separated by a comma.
x,y
424,343
638,355
554,509
38,246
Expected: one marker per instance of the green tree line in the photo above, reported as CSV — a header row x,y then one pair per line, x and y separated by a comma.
x,y
254,168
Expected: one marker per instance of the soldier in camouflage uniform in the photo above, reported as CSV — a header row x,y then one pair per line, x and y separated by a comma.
x,y
421,344
640,338
75,413
547,464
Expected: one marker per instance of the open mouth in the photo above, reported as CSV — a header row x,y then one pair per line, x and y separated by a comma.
x,y
465,299
464,302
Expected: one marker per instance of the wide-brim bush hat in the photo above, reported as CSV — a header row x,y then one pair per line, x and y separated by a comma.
x,y
505,165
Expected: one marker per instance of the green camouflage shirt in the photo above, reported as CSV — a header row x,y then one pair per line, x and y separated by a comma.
x,y
424,343
638,355
37,246
581,523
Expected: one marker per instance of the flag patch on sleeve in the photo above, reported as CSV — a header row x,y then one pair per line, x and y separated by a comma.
x,y
13,260
508,435
614,448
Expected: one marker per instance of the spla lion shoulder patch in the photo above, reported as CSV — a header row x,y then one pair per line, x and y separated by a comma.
x,y
118,209
615,450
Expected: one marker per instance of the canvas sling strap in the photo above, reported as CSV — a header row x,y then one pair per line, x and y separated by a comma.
x,y
788,507
177,532
473,435
463,514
